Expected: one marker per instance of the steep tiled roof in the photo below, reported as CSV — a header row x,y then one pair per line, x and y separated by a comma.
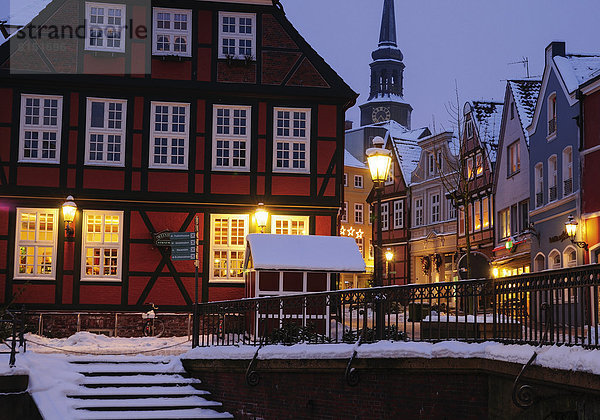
x,y
525,93
577,69
488,116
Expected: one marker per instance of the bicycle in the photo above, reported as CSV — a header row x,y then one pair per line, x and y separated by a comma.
x,y
153,327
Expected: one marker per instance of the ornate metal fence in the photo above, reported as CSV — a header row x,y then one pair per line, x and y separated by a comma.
x,y
506,310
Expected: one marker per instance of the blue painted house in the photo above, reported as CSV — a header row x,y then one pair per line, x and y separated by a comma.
x,y
554,174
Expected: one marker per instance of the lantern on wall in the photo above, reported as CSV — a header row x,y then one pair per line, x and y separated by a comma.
x,y
69,208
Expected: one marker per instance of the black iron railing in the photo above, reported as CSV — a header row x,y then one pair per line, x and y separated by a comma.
x,y
12,331
505,310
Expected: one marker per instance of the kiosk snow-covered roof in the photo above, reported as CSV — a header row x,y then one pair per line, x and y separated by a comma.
x,y
303,253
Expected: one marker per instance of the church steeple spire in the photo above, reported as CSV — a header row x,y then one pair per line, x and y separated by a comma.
x,y
387,76
387,34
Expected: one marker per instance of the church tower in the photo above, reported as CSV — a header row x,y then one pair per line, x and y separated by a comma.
x,y
386,101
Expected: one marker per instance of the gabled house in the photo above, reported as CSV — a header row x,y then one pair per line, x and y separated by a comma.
x,y
511,180
433,255
556,138
395,202
201,109
474,197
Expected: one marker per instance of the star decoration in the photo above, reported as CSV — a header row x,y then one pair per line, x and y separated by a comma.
x,y
351,231
359,234
342,230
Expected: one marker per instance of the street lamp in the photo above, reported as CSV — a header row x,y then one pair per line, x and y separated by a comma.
x,y
379,159
571,227
389,256
69,209
261,215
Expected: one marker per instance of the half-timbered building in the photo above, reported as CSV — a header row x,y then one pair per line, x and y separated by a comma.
x,y
151,114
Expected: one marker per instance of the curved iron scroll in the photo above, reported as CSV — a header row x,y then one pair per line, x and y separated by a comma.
x,y
524,396
351,375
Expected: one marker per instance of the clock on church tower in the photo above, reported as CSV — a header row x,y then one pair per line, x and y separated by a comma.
x,y
380,114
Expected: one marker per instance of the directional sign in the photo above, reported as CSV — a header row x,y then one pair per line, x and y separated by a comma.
x,y
183,245
182,235
181,257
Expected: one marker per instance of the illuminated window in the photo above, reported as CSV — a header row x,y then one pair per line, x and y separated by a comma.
x,y
228,244
470,168
41,121
504,223
105,135
105,27
231,137
289,225
35,248
477,215
102,244
514,158
237,35
172,32
485,210
169,135
479,164
291,140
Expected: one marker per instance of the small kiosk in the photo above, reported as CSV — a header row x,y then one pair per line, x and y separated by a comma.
x,y
279,265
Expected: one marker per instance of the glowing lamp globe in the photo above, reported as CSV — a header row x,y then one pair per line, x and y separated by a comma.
x,y
571,226
261,215
69,209
379,160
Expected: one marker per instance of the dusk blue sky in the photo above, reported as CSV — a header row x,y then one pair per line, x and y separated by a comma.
x,y
470,41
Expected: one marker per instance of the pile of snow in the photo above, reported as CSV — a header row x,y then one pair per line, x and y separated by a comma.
x,y
94,344
488,318
554,357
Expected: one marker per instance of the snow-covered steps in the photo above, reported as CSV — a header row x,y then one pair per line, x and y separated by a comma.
x,y
139,388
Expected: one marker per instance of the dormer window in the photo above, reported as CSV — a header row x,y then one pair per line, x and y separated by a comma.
x,y
237,36
172,32
469,129
431,164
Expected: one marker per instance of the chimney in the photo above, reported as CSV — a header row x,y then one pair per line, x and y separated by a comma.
x,y
555,48
348,125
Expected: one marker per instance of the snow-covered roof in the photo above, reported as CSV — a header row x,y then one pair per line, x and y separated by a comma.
x,y
488,118
525,94
350,160
577,69
387,97
18,13
304,253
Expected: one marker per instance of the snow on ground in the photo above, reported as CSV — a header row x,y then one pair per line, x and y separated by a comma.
x,y
85,342
555,357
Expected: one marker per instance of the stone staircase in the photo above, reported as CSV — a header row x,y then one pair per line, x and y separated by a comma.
x,y
120,388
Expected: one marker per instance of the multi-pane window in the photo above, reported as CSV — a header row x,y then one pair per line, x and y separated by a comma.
x,y
431,164
345,179
385,216
358,181
102,245
504,223
514,158
539,185
105,137
419,212
477,214
552,179
435,208
469,128
524,212
470,169
479,164
237,35
398,214
231,137
345,212
390,178
451,209
228,241
169,134
291,140
461,221
358,213
289,225
370,214
567,170
360,242
172,32
41,120
35,248
105,27
486,219
552,114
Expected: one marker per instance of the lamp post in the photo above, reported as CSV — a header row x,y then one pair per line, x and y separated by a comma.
x,y
261,215
379,160
389,256
69,208
571,228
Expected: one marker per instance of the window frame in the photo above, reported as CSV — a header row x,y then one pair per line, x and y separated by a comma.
x,y
171,32
360,183
434,206
514,158
344,216
385,216
40,128
431,169
291,140
539,184
228,248
552,176
88,26
486,218
288,218
461,220
419,215
359,211
345,179
552,116
170,134
35,243
102,245
247,138
236,36
390,179
105,131
398,214
567,169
